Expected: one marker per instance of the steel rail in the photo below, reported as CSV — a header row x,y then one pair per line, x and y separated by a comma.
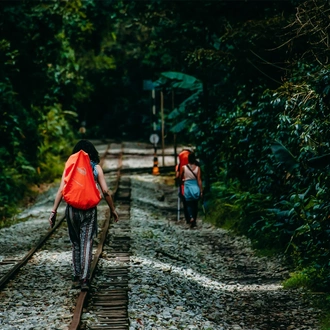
x,y
12,272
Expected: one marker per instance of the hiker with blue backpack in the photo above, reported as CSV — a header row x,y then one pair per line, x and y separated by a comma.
x,y
82,174
190,176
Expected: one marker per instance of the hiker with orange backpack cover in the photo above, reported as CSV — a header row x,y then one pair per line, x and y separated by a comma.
x,y
82,222
183,160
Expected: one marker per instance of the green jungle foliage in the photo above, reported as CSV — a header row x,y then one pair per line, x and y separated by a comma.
x,y
44,79
247,82
256,106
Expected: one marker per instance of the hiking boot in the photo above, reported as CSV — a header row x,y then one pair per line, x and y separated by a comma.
x,y
193,225
75,282
84,285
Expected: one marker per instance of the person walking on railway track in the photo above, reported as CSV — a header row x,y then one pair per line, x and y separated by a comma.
x,y
82,223
190,175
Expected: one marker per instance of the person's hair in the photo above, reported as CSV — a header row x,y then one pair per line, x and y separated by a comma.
x,y
89,148
192,158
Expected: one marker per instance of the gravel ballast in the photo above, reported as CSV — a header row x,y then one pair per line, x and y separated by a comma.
x,y
180,278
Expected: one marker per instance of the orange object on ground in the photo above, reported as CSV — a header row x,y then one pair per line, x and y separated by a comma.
x,y
155,169
80,190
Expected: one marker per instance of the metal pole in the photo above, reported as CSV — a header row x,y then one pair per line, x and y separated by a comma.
x,y
153,95
179,206
155,169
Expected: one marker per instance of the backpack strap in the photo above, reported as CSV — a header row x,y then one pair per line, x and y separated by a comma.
x,y
192,171
95,173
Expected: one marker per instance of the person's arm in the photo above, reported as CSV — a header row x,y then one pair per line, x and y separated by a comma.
x,y
199,180
57,202
106,192
177,172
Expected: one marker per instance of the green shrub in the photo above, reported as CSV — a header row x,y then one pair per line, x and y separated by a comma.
x,y
314,277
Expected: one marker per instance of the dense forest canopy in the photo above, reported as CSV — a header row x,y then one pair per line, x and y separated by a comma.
x,y
247,82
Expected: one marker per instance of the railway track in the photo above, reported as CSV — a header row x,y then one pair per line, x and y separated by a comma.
x,y
175,278
105,305
10,266
107,298
108,301
108,293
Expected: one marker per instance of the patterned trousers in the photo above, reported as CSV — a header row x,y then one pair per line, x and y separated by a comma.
x,y
82,227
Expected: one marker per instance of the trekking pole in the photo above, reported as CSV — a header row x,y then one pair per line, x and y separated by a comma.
x,y
203,207
179,206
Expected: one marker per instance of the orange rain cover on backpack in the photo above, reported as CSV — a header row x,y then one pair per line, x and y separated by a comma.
x,y
80,190
183,157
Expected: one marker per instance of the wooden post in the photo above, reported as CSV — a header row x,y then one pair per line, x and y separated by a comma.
x,y
174,135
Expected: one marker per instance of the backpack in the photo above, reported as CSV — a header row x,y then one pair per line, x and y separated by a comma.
x,y
80,190
183,160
